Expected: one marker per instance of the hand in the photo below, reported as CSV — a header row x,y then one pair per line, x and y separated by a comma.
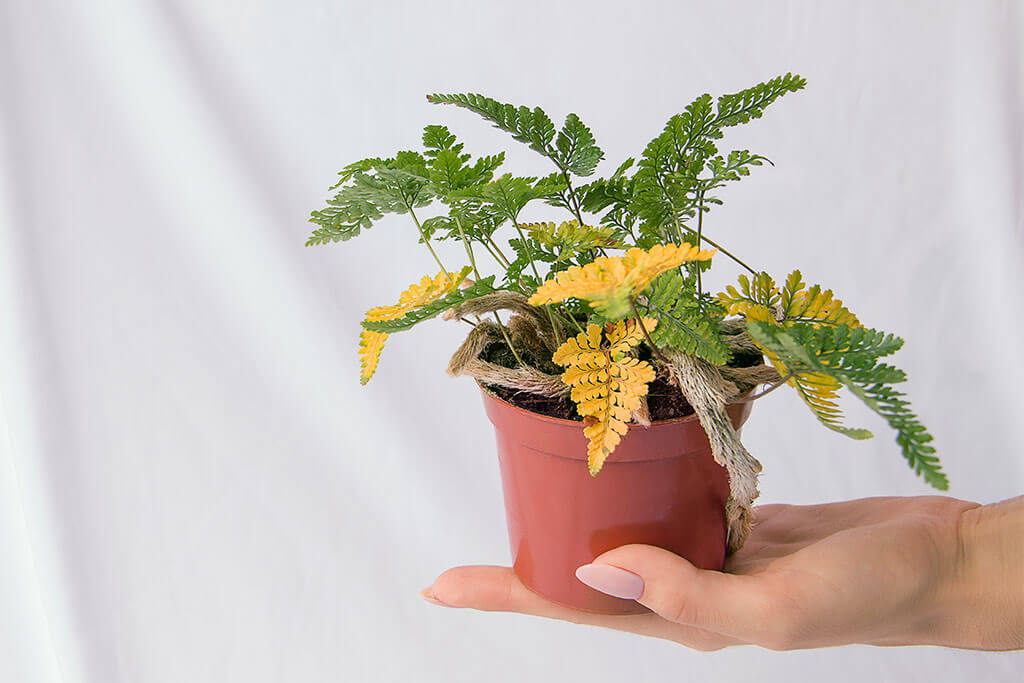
x,y
881,571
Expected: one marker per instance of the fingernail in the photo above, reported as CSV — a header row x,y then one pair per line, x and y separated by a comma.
x,y
427,595
611,580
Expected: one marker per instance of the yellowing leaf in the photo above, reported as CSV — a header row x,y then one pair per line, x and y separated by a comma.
x,y
760,299
609,282
606,384
570,237
370,346
419,295
427,290
759,295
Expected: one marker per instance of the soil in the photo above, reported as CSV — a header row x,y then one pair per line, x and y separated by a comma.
x,y
663,401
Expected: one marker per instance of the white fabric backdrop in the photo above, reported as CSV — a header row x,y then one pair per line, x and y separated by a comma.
x,y
194,487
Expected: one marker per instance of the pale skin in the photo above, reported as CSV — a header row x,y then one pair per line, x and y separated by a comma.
x,y
879,571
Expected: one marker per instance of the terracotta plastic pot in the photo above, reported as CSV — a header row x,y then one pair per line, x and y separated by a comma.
x,y
661,487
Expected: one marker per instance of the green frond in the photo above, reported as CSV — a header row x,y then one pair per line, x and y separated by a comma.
x,y
577,151
750,103
531,126
370,189
574,150
432,309
849,357
508,194
685,322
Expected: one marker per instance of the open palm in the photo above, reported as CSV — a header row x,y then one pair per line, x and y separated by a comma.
x,y
863,571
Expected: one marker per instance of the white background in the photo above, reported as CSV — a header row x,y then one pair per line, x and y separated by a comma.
x,y
193,485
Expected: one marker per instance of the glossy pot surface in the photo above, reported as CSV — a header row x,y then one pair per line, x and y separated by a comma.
x,y
661,487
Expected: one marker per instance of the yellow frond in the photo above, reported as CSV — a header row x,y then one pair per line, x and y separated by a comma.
x,y
625,334
609,282
606,384
370,346
755,299
569,237
427,290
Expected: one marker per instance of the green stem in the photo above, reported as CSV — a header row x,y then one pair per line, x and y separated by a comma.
x,y
426,240
700,224
766,391
472,261
572,194
508,340
650,342
497,249
465,243
498,258
725,251
536,274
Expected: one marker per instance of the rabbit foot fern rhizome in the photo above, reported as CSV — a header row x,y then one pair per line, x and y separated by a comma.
x,y
590,310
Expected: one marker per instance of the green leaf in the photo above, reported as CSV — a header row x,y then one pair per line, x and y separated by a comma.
x,y
750,103
850,356
437,138
507,195
685,322
369,189
573,150
577,151
531,126
433,309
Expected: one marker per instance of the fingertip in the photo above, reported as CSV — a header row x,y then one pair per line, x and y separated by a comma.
x,y
428,595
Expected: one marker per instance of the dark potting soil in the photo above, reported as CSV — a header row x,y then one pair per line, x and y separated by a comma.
x,y
664,401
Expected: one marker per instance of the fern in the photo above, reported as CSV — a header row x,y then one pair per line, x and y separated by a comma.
x,y
685,321
371,344
569,237
756,299
849,356
800,304
669,186
574,150
750,103
433,308
578,153
609,283
507,195
370,189
606,382
449,169
425,292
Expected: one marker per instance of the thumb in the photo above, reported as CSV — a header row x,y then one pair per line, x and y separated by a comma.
x,y
678,591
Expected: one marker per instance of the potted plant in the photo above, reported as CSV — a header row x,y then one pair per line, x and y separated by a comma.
x,y
616,382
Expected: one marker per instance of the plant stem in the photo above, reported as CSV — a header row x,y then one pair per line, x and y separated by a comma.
x,y
536,274
700,224
465,243
572,194
472,261
650,342
725,251
508,340
497,257
504,259
426,240
768,390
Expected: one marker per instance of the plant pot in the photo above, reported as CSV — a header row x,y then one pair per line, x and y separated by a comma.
x,y
660,487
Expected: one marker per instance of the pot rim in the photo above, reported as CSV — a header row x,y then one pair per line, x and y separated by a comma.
x,y
561,421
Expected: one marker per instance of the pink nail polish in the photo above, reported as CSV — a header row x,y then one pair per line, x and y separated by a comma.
x,y
611,580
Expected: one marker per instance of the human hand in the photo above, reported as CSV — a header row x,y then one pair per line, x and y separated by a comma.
x,y
880,571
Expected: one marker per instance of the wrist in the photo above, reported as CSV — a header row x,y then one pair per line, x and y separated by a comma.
x,y
980,604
